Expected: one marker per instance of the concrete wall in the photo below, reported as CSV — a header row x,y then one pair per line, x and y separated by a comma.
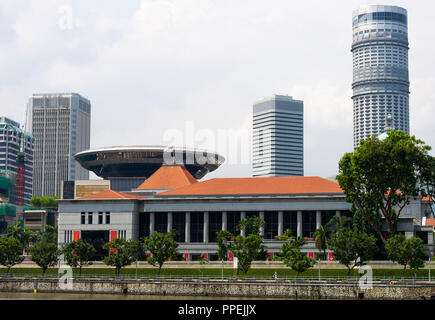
x,y
225,288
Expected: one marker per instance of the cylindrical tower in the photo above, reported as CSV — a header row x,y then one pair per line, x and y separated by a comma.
x,y
380,70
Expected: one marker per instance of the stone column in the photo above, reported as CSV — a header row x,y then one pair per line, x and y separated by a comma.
x,y
152,223
338,213
224,220
299,226
187,228
262,218
318,219
169,222
242,216
280,223
206,226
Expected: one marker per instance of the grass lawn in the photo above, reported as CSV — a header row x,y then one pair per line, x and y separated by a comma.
x,y
227,272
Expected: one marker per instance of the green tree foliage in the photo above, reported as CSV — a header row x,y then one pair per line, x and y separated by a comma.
x,y
45,254
321,239
254,225
352,246
381,177
286,236
292,256
202,262
251,225
406,251
223,243
245,249
162,247
24,236
11,252
78,254
120,254
49,234
44,202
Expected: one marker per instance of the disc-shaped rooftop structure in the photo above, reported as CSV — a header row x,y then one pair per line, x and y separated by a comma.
x,y
143,161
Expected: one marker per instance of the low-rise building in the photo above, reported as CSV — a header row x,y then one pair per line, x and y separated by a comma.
x,y
172,199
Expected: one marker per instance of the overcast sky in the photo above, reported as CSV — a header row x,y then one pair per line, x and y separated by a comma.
x,y
152,67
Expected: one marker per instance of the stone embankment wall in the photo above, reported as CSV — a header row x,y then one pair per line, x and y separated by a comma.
x,y
254,289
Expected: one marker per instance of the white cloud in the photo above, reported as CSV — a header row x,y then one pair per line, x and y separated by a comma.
x,y
148,66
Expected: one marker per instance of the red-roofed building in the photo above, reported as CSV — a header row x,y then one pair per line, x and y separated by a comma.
x,y
167,178
110,195
172,199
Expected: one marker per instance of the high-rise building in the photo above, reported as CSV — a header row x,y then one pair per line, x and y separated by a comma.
x,y
278,137
11,138
60,124
380,70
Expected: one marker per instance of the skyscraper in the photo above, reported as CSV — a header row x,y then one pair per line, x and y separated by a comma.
x,y
278,137
380,70
60,124
11,136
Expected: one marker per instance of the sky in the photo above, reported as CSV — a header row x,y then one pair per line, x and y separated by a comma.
x,y
187,72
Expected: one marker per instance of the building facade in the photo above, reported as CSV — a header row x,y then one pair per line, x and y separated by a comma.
x,y
197,210
60,124
11,138
278,137
82,188
380,70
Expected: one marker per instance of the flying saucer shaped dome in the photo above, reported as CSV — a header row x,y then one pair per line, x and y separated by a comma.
x,y
143,161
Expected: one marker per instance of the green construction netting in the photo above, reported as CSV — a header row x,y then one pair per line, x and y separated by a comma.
x,y
7,209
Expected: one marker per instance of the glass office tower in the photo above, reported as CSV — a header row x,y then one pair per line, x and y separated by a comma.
x,y
12,137
380,70
278,137
60,124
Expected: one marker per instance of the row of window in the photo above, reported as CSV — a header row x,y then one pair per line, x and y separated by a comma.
x,y
102,218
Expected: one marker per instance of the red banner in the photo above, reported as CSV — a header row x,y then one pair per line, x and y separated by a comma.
x,y
76,235
331,256
311,255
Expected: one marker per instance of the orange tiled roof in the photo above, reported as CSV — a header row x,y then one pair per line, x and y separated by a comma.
x,y
427,198
430,222
109,195
168,177
258,186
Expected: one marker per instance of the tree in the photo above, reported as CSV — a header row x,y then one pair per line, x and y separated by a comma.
x,y
44,202
202,262
138,251
49,235
223,238
321,239
78,254
406,251
162,247
11,252
382,176
45,254
24,236
251,225
121,254
352,246
292,256
245,249
223,243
